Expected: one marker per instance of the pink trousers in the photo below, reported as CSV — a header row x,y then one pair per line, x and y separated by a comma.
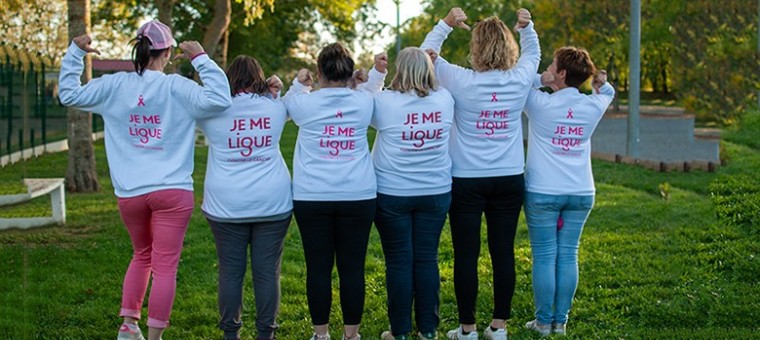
x,y
156,223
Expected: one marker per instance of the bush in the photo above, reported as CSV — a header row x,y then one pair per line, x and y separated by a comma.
x,y
747,132
737,201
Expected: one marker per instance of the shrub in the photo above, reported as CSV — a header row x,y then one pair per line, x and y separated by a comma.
x,y
737,201
747,132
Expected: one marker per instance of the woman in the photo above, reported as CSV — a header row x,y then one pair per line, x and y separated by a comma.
x,y
246,198
149,136
334,185
487,156
559,183
411,155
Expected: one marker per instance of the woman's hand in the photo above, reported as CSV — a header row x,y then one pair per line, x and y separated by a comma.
x,y
381,62
456,18
83,42
190,49
523,18
304,77
599,79
275,85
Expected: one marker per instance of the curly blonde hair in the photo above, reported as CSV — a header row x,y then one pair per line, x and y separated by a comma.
x,y
414,71
492,47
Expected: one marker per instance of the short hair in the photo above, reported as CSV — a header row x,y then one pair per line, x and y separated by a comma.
x,y
245,73
414,71
335,63
577,64
492,46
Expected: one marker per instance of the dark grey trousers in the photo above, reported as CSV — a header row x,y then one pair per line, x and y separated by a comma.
x,y
265,240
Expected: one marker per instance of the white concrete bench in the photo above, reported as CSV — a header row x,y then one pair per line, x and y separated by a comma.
x,y
37,187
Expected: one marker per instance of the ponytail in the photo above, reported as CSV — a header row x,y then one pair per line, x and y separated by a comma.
x,y
142,54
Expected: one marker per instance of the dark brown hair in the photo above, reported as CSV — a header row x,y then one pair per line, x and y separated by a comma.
x,y
335,63
245,74
142,54
577,64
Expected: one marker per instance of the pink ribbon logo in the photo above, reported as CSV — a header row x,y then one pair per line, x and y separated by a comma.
x,y
339,114
493,97
140,101
570,113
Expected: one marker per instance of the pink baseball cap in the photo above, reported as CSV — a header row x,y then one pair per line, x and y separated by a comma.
x,y
160,35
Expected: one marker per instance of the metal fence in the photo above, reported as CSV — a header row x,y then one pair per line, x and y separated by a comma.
x,y
30,112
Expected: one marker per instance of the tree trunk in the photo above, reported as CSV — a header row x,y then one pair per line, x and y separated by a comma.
x,y
81,175
165,9
217,28
165,12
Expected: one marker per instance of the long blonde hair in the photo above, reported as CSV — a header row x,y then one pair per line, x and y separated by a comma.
x,y
492,46
414,71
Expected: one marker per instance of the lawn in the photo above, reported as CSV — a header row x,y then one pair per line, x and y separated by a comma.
x,y
650,267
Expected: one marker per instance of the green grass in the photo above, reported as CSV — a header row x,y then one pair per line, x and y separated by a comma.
x,y
649,267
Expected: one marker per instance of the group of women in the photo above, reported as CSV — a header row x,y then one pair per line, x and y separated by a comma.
x,y
449,141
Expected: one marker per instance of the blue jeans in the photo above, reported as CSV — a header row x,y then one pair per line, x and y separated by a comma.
x,y
555,250
410,230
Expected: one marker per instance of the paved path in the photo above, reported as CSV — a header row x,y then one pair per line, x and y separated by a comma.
x,y
666,134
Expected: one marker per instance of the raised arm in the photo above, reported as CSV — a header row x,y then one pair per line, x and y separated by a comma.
x,y
71,92
603,93
530,50
376,79
214,93
446,73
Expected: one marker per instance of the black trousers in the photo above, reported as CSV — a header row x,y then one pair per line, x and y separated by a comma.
x,y
335,232
501,199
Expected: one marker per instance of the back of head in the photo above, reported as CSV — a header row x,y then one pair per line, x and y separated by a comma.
x,y
492,46
245,75
335,63
414,71
577,64
153,39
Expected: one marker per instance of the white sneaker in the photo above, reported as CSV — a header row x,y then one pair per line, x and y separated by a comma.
x,y
320,337
456,334
357,337
542,329
559,328
130,331
499,334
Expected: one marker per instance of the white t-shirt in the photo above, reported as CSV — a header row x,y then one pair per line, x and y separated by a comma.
x,y
246,175
559,140
487,137
149,119
411,151
331,161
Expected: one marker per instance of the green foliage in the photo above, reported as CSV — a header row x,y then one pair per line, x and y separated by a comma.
x,y
715,62
737,201
664,190
702,51
747,132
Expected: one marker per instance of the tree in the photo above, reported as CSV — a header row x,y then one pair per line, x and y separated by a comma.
x,y
80,174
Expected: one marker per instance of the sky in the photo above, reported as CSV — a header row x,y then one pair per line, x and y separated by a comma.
x,y
387,14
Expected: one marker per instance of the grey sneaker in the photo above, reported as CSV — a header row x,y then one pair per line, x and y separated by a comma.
x,y
542,329
499,334
457,334
427,336
129,331
559,328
